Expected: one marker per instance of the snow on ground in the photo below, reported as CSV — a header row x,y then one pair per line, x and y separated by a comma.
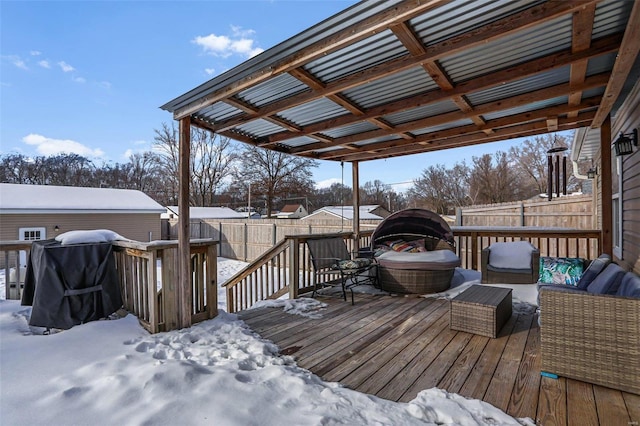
x,y
215,372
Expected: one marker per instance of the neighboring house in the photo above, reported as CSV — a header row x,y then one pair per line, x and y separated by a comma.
x,y
38,212
623,197
207,213
368,212
292,211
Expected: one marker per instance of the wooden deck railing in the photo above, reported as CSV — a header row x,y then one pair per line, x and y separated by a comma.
x,y
13,272
148,273
149,292
284,269
552,242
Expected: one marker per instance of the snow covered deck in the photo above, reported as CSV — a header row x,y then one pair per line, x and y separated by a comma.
x,y
393,347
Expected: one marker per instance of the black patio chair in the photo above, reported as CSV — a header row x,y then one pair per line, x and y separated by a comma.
x,y
334,266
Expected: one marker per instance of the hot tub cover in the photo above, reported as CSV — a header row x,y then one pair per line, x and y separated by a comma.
x,y
69,285
416,222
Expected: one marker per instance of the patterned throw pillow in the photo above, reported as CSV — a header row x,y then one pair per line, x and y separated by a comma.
x,y
407,246
561,270
358,263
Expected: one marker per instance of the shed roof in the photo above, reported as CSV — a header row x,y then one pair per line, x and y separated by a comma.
x,y
385,78
24,199
346,212
210,213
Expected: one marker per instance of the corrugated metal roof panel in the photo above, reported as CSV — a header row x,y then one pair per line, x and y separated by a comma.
x,y
299,141
527,45
443,126
218,112
312,112
526,108
385,138
526,85
279,87
394,87
436,26
610,17
421,112
259,128
359,56
351,129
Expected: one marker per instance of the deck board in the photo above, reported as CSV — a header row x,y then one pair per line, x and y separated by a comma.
x,y
394,347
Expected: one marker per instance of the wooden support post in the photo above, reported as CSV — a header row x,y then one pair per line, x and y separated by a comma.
x,y
607,187
356,206
294,268
183,293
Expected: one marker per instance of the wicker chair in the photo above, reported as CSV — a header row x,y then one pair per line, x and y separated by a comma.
x,y
333,266
499,270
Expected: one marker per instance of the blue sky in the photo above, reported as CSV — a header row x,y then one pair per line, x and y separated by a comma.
x,y
88,77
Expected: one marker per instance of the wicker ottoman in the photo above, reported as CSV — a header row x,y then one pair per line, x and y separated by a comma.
x,y
480,310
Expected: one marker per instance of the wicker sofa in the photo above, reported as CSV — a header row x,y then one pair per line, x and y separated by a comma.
x,y
591,332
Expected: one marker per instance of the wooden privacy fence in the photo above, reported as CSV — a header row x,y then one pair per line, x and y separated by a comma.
x,y
148,275
248,240
284,269
575,212
552,242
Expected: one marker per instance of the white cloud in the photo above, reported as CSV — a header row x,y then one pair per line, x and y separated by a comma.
x,y
65,66
49,146
327,183
17,61
44,64
35,53
79,79
105,84
140,142
239,43
210,71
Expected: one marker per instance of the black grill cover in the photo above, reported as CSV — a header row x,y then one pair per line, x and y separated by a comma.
x,y
69,285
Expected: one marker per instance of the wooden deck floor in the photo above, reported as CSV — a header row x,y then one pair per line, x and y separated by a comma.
x,y
394,347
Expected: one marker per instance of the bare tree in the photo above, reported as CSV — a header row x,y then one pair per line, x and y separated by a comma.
x,y
212,158
530,159
274,174
441,189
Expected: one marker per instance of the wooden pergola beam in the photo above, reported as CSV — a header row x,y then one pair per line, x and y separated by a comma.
x,y
508,121
509,74
598,80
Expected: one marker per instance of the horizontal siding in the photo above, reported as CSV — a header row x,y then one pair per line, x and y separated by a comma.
x,y
627,119
137,227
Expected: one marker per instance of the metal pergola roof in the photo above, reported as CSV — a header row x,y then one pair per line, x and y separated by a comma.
x,y
396,77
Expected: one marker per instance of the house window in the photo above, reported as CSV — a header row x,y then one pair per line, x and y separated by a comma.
x,y
30,234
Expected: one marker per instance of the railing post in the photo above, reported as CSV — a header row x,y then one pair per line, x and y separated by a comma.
x,y
294,266
152,290
474,251
211,281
